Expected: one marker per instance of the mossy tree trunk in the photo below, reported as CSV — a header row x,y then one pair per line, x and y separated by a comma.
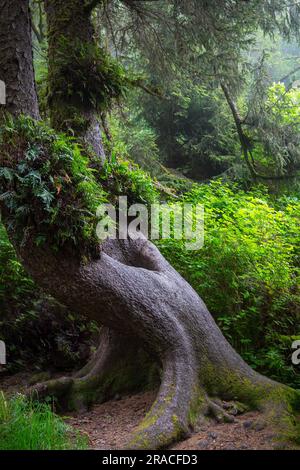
x,y
152,318
69,21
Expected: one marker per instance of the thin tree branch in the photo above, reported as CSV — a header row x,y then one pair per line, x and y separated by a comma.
x,y
244,141
154,92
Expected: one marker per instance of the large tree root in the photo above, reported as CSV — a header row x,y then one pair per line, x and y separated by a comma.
x,y
151,316
180,403
119,366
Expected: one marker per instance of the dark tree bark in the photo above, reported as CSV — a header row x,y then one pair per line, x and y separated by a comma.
x,y
151,315
16,64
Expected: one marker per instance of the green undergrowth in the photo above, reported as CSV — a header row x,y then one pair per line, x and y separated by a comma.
x,y
248,271
26,425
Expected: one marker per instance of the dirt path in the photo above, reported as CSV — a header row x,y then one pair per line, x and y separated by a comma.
x,y
109,425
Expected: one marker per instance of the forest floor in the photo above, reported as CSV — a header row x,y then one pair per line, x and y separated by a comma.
x,y
109,425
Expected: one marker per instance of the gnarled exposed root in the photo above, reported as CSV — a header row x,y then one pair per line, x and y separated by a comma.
x,y
217,412
168,418
118,366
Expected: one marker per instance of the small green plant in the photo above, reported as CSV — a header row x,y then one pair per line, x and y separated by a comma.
x,y
26,425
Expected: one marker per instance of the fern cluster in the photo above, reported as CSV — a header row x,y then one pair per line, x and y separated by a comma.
x,y
47,188
124,178
88,78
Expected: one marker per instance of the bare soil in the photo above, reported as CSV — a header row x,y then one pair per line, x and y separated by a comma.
x,y
109,425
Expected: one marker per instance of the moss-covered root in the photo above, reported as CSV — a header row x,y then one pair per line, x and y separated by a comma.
x,y
163,425
169,417
55,388
279,405
78,394
157,432
167,423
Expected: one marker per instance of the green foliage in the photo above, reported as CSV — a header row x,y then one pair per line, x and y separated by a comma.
x,y
47,186
14,283
133,138
274,120
193,128
125,178
85,75
49,189
248,271
26,425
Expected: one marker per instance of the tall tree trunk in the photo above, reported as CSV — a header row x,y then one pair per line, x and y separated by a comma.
x,y
150,314
70,21
16,64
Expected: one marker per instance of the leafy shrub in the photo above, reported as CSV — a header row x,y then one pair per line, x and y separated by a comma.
x,y
28,425
248,271
124,178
